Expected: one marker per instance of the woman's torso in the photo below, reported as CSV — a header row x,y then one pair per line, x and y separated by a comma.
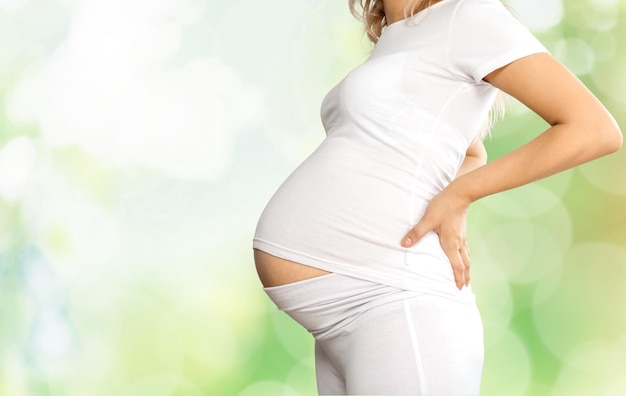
x,y
397,128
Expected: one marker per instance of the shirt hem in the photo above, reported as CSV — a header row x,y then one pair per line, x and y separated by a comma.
x,y
465,295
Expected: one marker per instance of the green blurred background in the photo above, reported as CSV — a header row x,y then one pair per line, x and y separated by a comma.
x,y
140,140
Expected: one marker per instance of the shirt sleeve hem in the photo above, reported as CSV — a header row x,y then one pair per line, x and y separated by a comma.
x,y
503,60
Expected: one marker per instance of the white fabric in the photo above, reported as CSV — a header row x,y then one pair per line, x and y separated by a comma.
x,y
397,127
372,339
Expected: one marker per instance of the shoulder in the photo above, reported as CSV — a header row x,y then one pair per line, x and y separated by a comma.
x,y
480,8
473,17
484,35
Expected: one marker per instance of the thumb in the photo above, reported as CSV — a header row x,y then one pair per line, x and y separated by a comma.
x,y
416,233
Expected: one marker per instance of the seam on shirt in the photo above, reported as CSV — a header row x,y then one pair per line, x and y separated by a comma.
x,y
420,161
446,55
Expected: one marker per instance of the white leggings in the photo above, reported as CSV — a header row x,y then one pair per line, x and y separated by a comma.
x,y
372,339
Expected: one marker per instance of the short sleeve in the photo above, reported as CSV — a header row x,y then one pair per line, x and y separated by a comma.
x,y
485,36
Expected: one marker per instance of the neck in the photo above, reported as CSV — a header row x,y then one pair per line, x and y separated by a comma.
x,y
394,10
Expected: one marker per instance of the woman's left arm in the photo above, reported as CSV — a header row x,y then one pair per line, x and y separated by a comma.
x,y
475,157
581,130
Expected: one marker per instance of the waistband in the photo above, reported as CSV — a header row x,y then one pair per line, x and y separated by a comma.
x,y
328,304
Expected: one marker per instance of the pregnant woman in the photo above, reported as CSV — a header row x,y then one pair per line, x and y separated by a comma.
x,y
364,243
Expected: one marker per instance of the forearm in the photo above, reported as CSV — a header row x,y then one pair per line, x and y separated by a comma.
x,y
582,130
561,147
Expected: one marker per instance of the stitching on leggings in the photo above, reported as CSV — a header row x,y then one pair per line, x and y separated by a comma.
x,y
415,344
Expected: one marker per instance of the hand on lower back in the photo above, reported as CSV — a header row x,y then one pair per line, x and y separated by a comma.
x,y
446,215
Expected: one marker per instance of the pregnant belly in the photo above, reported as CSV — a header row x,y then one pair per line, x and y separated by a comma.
x,y
275,271
342,206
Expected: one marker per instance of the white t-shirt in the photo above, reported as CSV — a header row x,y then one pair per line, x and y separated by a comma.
x,y
397,129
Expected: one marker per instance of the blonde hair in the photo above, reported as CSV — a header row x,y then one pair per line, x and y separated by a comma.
x,y
496,113
372,14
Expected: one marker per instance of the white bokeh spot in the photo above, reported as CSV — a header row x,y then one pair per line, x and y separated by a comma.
x,y
112,92
539,15
18,159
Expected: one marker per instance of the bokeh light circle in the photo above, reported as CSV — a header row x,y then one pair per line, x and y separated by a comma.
x,y
610,79
545,258
576,54
529,200
588,301
604,46
511,245
268,388
302,377
507,367
594,368
550,15
602,15
293,337
607,174
166,384
493,294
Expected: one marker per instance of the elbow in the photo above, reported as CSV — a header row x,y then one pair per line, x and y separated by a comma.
x,y
617,140
605,137
481,158
611,137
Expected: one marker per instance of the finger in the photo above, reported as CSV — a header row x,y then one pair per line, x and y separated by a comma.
x,y
416,233
458,267
467,262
